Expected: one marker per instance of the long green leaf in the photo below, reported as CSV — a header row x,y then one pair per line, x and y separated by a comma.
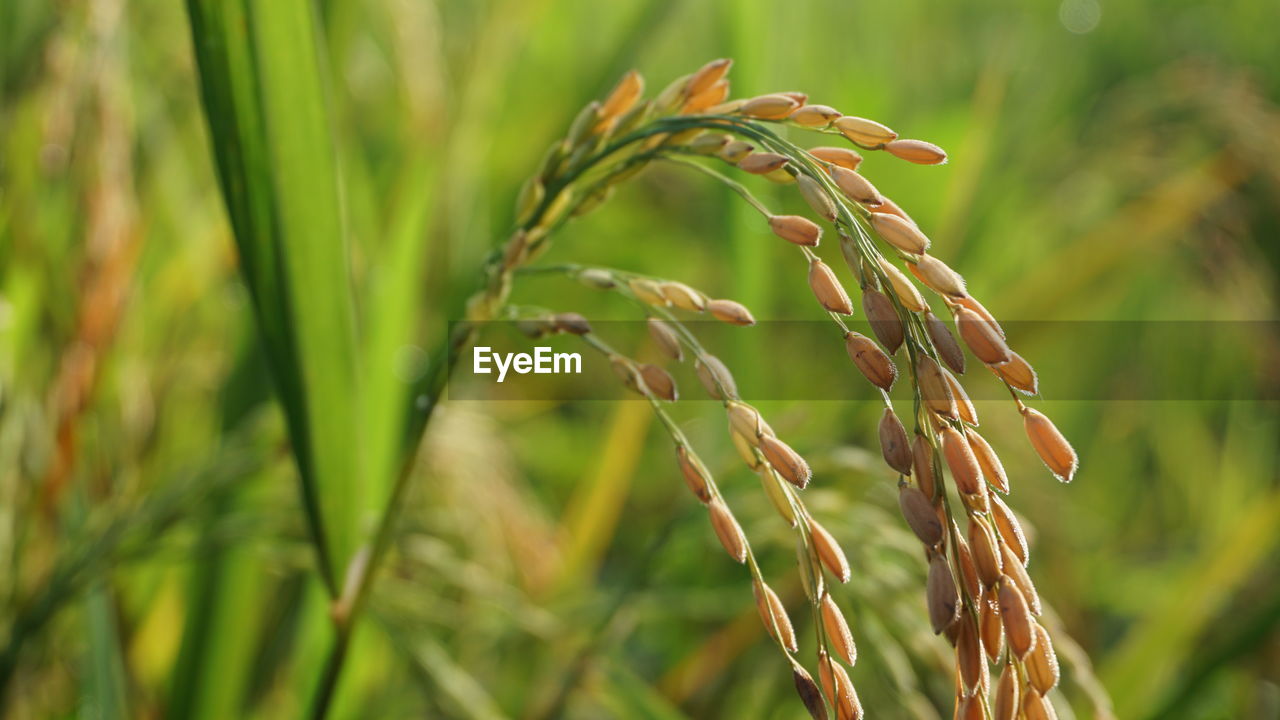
x,y
268,115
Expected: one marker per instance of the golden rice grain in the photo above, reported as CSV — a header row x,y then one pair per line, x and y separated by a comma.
x,y
884,319
683,296
1019,374
624,95
903,288
986,552
789,464
899,233
816,196
1050,445
827,288
843,157
1016,618
715,378
695,474
647,291
1010,530
731,312
937,276
893,442
964,559
659,382
863,131
837,629
774,615
801,98
727,529
918,511
1006,706
814,115
916,151
769,107
960,459
992,468
969,660
843,697
945,343
964,406
735,151
796,229
854,186
707,99
1015,570
934,389
706,76
829,552
809,693
870,360
942,599
760,163
665,338
990,631
922,467
1042,664
984,341
709,143
972,303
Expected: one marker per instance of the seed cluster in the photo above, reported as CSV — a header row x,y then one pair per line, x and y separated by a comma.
x,y
978,593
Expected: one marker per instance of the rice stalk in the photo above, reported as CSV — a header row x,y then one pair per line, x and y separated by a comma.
x,y
976,577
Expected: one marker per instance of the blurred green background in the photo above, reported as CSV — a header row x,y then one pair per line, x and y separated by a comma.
x,y
1113,160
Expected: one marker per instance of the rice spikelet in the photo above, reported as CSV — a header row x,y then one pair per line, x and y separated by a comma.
x,y
916,151
796,229
837,629
829,552
730,311
863,131
871,361
843,157
827,289
814,115
1050,445
727,530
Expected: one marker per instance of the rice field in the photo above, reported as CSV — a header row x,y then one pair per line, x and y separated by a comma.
x,y
927,359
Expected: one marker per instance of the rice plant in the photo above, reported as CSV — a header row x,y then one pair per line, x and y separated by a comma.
x,y
247,250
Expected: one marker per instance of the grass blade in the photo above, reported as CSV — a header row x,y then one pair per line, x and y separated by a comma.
x,y
268,114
